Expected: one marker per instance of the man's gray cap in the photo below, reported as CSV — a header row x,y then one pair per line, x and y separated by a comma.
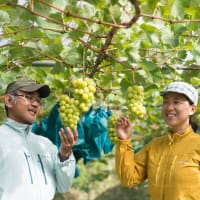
x,y
28,85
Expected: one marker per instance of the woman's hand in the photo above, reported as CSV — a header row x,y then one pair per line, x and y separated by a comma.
x,y
67,142
123,128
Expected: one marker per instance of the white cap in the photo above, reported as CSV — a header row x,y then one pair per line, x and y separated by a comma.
x,y
182,88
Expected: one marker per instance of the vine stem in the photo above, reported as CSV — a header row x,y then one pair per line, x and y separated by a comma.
x,y
133,76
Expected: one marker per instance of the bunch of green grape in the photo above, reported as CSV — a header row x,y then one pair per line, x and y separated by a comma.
x,y
69,113
135,100
84,89
111,128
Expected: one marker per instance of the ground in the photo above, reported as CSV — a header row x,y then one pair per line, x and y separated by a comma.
x,y
113,193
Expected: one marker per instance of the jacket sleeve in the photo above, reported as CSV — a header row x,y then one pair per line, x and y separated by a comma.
x,y
65,173
131,168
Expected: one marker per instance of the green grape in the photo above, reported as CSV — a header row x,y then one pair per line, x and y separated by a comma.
x,y
69,114
135,100
84,89
70,109
111,128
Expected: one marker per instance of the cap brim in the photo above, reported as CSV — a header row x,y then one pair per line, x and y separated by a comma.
x,y
178,92
165,92
162,93
43,90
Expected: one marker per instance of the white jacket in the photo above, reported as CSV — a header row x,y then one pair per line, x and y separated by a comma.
x,y
29,165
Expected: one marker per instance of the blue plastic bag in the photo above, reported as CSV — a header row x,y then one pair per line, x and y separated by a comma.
x,y
93,136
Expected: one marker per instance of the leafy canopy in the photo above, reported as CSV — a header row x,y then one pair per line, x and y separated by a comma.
x,y
117,43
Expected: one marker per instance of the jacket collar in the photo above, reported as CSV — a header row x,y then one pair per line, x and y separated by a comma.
x,y
19,127
175,137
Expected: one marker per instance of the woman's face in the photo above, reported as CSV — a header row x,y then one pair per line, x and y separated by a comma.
x,y
176,110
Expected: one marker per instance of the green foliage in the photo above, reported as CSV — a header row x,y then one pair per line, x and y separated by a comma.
x,y
109,41
81,38
4,18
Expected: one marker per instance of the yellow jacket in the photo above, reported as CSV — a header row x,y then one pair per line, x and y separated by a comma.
x,y
171,164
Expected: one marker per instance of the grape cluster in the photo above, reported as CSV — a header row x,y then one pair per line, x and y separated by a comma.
x,y
135,100
111,128
84,90
70,109
69,114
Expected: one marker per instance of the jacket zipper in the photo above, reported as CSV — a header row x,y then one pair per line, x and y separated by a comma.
x,y
42,167
167,166
29,168
158,169
171,168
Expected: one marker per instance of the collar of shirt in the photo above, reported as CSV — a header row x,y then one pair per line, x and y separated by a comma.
x,y
19,127
175,137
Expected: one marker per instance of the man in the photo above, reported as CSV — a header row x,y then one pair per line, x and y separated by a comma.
x,y
30,165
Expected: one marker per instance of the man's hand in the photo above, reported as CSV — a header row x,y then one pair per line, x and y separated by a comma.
x,y
67,142
123,128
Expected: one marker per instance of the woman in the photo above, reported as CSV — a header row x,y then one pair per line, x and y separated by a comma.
x,y
171,163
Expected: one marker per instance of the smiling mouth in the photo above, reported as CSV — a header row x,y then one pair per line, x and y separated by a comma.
x,y
171,115
32,111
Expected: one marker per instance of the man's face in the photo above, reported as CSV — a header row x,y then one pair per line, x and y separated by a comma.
x,y
25,107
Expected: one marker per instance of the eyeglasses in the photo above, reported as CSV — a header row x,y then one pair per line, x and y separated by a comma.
x,y
30,98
